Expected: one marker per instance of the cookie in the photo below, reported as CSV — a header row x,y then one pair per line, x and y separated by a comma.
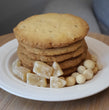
x,y
67,71
57,58
72,61
70,70
64,65
54,51
51,30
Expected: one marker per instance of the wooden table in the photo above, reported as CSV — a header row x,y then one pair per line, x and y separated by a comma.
x,y
96,102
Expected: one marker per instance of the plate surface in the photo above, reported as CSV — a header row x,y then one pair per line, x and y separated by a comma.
x,y
11,84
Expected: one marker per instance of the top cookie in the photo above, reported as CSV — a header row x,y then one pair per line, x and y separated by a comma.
x,y
51,30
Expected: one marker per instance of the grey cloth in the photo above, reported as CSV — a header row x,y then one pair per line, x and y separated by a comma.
x,y
13,11
80,8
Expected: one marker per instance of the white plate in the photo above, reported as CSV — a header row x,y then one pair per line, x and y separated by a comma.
x,y
17,87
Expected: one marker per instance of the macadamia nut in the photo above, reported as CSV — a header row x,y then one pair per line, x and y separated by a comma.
x,y
80,79
81,69
88,74
75,74
70,81
89,64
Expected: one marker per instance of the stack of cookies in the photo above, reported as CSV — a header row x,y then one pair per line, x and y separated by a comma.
x,y
52,38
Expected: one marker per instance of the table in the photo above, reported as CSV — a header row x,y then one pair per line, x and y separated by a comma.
x,y
99,101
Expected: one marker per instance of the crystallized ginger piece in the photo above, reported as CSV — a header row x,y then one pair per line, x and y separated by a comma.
x,y
34,79
57,69
56,82
20,71
42,69
16,63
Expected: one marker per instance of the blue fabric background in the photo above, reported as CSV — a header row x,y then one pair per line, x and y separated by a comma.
x,y
101,10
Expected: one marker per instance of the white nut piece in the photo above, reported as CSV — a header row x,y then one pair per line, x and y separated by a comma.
x,y
95,70
70,81
88,74
94,58
74,74
42,69
62,78
34,79
89,64
57,69
56,82
80,79
81,69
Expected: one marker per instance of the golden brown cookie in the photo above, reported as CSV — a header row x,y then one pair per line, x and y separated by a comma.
x,y
54,51
67,71
51,30
71,62
57,58
70,70
64,65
